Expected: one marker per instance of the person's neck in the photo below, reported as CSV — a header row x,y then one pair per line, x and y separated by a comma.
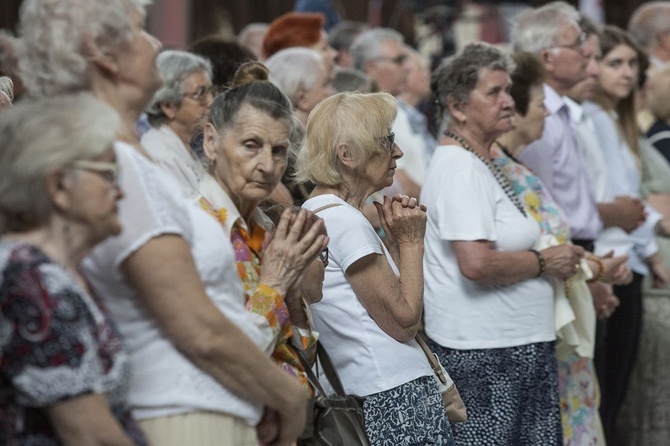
x,y
59,239
354,196
560,88
106,90
184,133
479,143
410,98
607,102
660,54
512,142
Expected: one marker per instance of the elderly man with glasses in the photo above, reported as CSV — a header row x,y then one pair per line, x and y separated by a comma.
x,y
553,33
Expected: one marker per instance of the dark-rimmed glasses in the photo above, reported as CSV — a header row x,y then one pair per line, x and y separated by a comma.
x,y
201,94
109,171
398,60
324,256
387,141
578,44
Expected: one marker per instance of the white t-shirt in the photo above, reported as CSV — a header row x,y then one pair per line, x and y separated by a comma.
x,y
367,359
413,146
175,159
163,381
466,203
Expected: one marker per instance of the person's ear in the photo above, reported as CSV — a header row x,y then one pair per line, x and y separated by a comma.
x,y
58,191
456,110
345,155
103,59
170,110
301,99
209,141
547,59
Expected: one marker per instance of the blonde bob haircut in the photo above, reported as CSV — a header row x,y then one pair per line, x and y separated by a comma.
x,y
359,121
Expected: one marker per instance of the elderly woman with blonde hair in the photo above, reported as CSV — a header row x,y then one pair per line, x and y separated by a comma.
x,y
372,293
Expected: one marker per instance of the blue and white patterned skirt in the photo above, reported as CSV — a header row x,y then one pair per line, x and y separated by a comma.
x,y
511,394
411,414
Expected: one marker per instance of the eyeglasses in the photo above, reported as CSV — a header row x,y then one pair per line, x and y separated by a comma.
x,y
578,45
398,60
388,141
109,171
323,256
201,94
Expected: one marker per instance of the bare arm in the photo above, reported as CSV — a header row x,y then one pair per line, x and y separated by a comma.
x,y
480,263
395,303
86,419
624,212
174,294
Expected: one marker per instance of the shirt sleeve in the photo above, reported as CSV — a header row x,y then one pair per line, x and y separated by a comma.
x,y
466,204
152,206
50,352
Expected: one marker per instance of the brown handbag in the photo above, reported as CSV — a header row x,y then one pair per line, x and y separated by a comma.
x,y
453,404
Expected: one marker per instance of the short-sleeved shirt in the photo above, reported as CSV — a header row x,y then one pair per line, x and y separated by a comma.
x,y
367,359
466,203
164,382
56,343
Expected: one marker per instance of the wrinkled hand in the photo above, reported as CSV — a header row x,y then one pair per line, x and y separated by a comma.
x,y
659,271
631,212
403,219
562,261
615,271
291,249
604,301
283,427
663,228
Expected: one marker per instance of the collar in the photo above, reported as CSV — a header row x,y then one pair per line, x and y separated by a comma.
x,y
576,110
229,215
552,100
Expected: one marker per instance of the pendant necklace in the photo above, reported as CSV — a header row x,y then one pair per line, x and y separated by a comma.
x,y
497,174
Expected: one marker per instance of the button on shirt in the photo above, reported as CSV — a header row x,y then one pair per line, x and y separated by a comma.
x,y
556,159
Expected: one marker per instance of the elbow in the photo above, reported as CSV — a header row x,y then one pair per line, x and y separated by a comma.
x,y
403,333
474,271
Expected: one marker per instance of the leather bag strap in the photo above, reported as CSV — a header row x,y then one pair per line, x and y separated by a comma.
x,y
432,359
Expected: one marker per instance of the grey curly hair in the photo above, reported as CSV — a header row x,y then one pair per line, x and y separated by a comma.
x,y
54,33
457,76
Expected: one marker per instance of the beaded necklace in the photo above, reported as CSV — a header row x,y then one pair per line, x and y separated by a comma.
x,y
497,174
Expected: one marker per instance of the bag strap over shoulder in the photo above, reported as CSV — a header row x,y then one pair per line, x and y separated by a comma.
x,y
328,368
331,205
432,359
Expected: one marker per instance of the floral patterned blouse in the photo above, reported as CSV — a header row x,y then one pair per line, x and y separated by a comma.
x,y
56,343
248,244
533,195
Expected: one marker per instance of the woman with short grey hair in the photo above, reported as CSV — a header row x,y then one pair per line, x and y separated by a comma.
x,y
488,305
177,113
302,75
64,372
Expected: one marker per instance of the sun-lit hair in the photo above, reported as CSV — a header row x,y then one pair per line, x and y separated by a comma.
x,y
359,121
55,35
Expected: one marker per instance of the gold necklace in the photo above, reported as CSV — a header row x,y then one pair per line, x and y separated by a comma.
x,y
501,179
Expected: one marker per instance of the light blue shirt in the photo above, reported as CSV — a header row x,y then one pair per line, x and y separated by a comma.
x,y
556,159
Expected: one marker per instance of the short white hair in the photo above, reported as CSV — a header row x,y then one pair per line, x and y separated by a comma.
x,y
53,35
538,29
367,46
648,21
38,138
295,68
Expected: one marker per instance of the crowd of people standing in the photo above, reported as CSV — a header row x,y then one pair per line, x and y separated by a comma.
x,y
182,230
